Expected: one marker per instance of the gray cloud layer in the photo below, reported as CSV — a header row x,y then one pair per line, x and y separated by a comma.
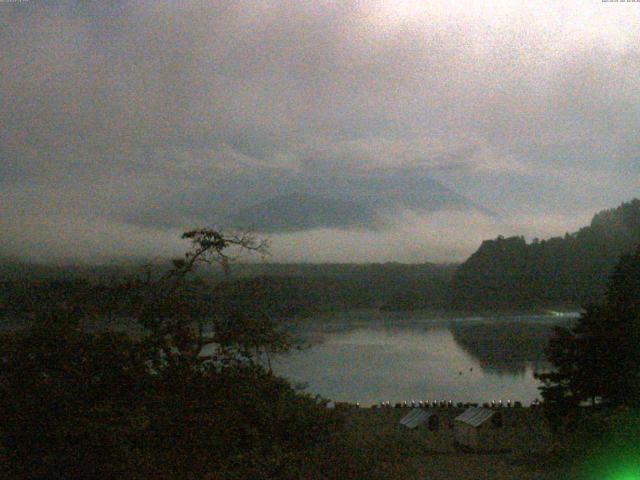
x,y
123,122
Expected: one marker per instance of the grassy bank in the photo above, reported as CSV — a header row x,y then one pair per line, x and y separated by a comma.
x,y
424,454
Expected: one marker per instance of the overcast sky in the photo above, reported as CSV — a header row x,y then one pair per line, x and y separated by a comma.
x,y
347,131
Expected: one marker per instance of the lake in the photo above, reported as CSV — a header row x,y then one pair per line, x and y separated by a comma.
x,y
369,356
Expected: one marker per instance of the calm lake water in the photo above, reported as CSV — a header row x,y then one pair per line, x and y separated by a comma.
x,y
369,356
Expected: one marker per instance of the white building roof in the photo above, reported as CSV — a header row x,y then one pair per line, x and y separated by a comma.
x,y
475,416
415,417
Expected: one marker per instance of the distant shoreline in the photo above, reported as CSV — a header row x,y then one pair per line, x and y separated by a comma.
x,y
552,310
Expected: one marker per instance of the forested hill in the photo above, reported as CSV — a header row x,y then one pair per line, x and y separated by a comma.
x,y
509,273
504,274
286,289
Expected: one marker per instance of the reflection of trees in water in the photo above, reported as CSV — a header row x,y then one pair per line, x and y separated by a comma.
x,y
505,348
509,369
513,368
501,347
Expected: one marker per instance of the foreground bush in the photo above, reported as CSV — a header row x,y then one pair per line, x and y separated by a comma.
x,y
80,405
187,398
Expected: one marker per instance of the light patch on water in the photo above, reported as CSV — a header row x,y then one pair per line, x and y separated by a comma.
x,y
371,356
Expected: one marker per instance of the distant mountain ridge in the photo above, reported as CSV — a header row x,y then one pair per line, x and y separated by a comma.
x,y
504,274
285,289
271,200
346,202
301,211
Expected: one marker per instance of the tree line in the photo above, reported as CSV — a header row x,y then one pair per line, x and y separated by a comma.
x,y
592,395
186,395
511,274
504,274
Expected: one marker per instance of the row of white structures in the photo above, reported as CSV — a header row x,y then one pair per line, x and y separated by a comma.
x,y
476,428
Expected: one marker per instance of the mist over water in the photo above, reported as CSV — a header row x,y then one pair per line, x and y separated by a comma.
x,y
368,356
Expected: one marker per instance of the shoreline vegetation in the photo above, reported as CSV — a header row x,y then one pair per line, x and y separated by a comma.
x,y
319,240
506,276
76,399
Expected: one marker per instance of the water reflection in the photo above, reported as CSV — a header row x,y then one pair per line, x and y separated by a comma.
x,y
371,356
506,346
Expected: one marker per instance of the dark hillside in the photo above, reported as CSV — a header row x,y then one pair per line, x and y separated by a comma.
x,y
509,273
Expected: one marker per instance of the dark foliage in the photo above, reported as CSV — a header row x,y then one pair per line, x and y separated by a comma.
x,y
81,405
186,397
511,274
71,404
598,359
288,290
503,346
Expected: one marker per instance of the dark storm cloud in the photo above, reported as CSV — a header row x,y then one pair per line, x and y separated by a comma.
x,y
123,122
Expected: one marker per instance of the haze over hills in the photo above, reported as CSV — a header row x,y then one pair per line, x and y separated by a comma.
x,y
364,124
375,145
348,201
503,274
297,212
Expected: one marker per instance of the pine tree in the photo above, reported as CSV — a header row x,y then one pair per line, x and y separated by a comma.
x,y
597,361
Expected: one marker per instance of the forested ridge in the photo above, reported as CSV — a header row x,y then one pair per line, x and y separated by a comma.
x,y
287,289
509,273
504,274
